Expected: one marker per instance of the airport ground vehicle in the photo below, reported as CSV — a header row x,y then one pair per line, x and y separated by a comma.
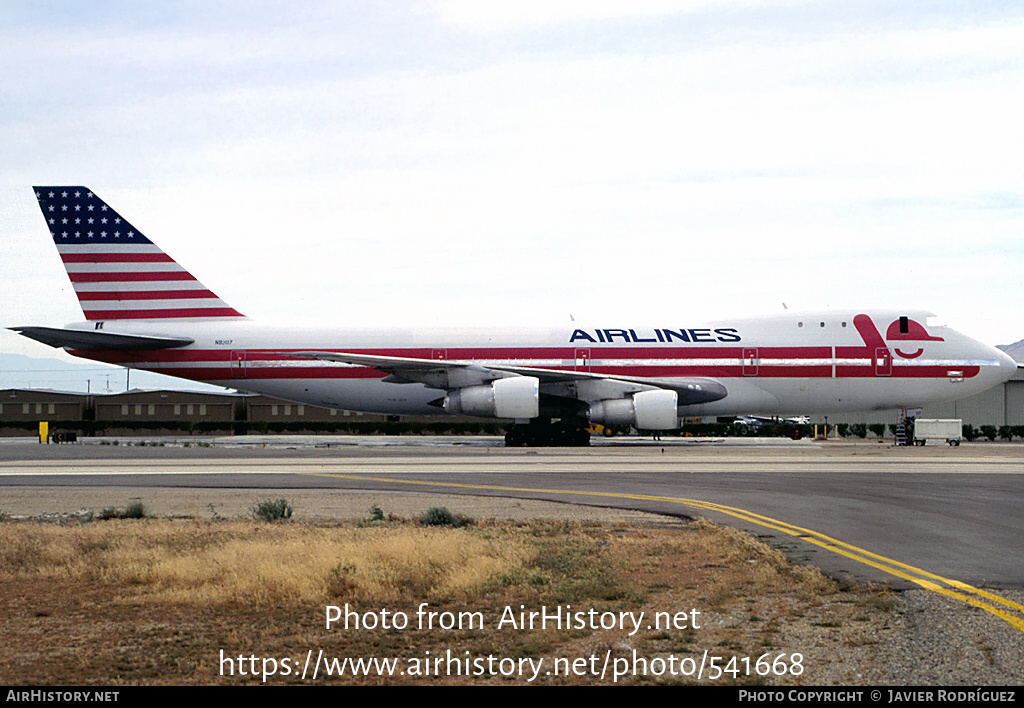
x,y
938,430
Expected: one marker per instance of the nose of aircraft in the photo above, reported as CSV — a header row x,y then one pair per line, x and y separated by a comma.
x,y
1007,366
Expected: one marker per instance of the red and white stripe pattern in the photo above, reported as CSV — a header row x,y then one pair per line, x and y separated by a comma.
x,y
117,272
812,362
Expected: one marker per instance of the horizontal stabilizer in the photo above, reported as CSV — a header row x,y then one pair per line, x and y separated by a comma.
x,y
96,339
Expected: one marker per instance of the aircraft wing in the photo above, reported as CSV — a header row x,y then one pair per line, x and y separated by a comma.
x,y
98,339
447,374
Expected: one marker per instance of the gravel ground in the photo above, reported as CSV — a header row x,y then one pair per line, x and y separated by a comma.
x,y
927,639
316,505
940,641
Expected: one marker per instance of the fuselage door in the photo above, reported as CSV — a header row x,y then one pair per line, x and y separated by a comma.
x,y
883,362
582,360
238,364
750,362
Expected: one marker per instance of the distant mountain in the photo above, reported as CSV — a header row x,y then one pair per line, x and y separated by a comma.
x,y
1015,350
20,371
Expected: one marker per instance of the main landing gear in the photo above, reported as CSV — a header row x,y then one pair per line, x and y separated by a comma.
x,y
543,432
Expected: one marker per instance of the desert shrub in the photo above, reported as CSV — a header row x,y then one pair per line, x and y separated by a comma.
x,y
440,516
272,510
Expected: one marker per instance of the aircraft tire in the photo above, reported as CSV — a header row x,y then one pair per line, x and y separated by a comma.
x,y
581,438
516,437
547,435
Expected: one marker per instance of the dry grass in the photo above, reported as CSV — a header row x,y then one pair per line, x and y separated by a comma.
x,y
203,563
156,601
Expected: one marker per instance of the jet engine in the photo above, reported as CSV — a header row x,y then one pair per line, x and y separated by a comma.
x,y
514,397
646,410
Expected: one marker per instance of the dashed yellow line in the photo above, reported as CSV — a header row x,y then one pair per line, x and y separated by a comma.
x,y
955,589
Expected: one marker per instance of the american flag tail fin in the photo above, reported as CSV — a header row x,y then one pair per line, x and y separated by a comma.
x,y
117,273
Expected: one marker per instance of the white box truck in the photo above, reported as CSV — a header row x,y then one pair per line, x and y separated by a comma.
x,y
938,430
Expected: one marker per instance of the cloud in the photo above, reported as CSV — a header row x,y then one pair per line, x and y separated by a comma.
x,y
520,161
492,17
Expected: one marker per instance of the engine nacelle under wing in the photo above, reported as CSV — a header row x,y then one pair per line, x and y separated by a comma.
x,y
646,410
513,397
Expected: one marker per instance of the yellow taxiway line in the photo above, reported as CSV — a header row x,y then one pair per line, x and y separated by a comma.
x,y
954,589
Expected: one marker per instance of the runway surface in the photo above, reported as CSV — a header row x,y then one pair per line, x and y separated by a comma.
x,y
952,518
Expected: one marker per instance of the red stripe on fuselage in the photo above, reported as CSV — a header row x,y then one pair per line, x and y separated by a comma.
x,y
254,369
262,374
507,355
341,373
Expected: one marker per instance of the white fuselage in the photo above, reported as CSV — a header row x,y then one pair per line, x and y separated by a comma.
x,y
787,364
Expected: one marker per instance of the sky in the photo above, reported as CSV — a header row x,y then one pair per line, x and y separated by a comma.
x,y
462,162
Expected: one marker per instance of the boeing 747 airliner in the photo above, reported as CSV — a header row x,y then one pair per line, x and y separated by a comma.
x,y
145,311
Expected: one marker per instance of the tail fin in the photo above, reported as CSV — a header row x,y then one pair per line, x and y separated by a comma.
x,y
118,273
